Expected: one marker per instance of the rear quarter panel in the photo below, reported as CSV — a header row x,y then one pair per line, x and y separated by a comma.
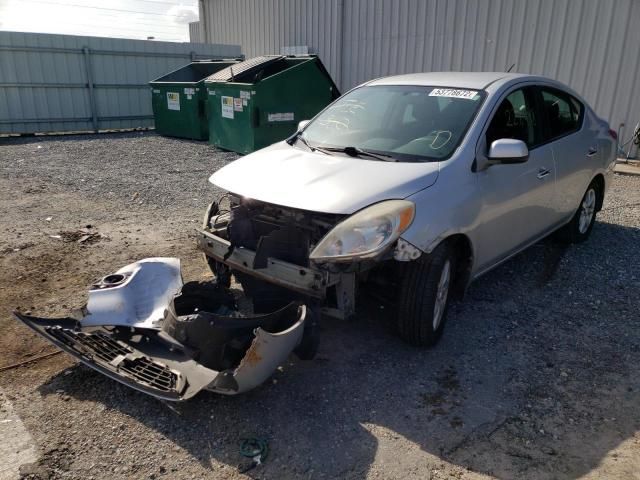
x,y
608,149
574,167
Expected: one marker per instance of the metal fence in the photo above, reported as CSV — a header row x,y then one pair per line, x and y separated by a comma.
x,y
57,83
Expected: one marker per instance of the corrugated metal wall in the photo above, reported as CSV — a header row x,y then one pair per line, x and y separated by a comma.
x,y
265,26
592,45
49,84
194,33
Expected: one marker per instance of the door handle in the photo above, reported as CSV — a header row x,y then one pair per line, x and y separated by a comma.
x,y
592,151
543,172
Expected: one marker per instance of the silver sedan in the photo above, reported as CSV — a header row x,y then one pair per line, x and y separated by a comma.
x,y
423,182
412,185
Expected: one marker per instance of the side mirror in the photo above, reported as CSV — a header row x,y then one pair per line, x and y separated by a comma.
x,y
302,124
508,150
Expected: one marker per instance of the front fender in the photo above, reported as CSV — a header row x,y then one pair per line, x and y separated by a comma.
x,y
443,210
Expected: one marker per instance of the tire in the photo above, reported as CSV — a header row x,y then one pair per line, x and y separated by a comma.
x,y
308,347
580,226
422,312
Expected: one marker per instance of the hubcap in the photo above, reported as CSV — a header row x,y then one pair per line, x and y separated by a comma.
x,y
587,210
441,295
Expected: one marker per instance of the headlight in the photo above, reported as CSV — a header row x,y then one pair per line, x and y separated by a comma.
x,y
366,233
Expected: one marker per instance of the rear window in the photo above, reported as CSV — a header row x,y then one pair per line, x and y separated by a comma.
x,y
562,112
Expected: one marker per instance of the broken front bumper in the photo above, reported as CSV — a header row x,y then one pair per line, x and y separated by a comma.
x,y
145,329
308,281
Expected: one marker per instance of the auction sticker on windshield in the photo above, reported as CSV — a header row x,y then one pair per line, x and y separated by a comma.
x,y
453,93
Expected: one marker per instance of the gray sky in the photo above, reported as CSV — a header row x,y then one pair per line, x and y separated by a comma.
x,y
163,19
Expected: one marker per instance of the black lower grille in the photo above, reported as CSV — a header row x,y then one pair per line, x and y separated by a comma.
x,y
109,353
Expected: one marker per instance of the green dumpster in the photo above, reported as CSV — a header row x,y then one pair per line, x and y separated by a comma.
x,y
260,101
179,99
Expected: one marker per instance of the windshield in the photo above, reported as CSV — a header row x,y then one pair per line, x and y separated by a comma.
x,y
405,122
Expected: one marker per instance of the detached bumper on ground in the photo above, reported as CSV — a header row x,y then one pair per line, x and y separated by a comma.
x,y
145,329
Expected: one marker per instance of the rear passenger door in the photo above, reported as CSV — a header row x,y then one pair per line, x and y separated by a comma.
x,y
573,144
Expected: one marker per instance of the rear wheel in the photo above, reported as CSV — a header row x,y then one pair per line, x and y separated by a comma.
x,y
424,297
580,226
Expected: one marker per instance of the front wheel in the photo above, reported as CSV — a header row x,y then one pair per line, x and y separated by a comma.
x,y
424,297
580,226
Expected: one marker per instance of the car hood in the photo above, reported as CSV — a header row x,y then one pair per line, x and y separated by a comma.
x,y
291,177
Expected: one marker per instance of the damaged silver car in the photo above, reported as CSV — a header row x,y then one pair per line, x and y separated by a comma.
x,y
410,187
407,187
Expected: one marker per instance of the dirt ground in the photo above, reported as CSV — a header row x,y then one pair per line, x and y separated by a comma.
x,y
537,375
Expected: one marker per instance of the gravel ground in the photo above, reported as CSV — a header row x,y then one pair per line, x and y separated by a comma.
x,y
141,169
537,375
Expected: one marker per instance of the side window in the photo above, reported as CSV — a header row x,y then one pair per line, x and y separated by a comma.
x,y
515,118
577,111
563,113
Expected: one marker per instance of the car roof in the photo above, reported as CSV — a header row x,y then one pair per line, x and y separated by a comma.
x,y
474,80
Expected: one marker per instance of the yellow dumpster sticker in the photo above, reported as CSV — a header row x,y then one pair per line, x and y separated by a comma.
x,y
227,107
173,101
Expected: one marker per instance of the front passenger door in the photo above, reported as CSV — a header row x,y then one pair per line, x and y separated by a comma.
x,y
518,199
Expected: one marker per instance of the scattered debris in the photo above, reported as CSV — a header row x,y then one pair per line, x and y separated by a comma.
x,y
35,189
48,219
257,449
31,360
86,235
18,248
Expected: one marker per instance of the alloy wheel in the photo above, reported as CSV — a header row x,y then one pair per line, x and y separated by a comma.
x,y
587,209
441,295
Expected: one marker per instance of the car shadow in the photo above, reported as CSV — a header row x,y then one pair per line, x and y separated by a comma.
x,y
537,375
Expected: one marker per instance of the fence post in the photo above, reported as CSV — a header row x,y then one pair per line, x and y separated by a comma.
x,y
92,93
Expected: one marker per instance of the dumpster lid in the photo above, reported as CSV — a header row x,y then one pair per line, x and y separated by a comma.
x,y
244,68
195,71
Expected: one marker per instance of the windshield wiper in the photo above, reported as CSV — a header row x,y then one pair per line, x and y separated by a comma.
x,y
351,151
358,152
313,148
